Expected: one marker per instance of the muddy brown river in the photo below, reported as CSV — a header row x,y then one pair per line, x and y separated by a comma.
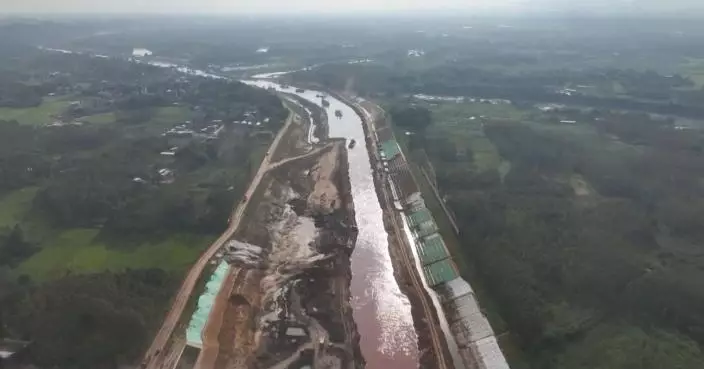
x,y
381,311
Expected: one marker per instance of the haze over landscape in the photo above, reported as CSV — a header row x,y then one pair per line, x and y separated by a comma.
x,y
470,7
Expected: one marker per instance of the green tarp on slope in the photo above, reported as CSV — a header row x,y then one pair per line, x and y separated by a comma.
x,y
440,272
419,217
432,249
205,304
390,149
426,229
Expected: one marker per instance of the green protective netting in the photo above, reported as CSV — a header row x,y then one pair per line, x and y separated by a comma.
x,y
440,272
205,304
419,217
390,149
432,249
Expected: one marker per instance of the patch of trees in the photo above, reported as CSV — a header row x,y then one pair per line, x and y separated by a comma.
x,y
19,95
415,118
228,100
140,103
94,321
14,248
21,162
172,210
543,153
135,114
564,268
101,191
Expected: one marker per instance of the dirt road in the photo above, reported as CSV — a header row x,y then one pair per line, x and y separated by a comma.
x,y
303,156
155,355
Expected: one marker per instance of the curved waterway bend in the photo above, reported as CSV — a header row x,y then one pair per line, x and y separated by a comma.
x,y
381,311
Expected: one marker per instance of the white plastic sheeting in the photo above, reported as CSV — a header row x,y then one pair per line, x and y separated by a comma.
x,y
470,324
454,289
488,354
471,329
244,253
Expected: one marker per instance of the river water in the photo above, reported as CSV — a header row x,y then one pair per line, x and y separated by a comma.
x,y
381,311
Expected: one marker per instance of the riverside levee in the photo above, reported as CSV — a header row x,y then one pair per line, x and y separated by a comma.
x,y
382,313
471,338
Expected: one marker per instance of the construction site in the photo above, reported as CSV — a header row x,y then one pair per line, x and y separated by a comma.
x,y
284,302
331,260
275,293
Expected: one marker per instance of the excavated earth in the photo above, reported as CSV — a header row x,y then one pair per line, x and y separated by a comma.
x,y
287,303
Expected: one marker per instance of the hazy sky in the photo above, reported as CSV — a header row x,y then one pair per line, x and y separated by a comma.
x,y
343,6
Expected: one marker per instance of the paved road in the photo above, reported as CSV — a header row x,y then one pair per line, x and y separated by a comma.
x,y
154,356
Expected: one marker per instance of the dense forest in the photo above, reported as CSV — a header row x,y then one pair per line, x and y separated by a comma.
x,y
98,320
113,177
589,243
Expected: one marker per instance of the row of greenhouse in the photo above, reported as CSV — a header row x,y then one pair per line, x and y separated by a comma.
x,y
472,332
